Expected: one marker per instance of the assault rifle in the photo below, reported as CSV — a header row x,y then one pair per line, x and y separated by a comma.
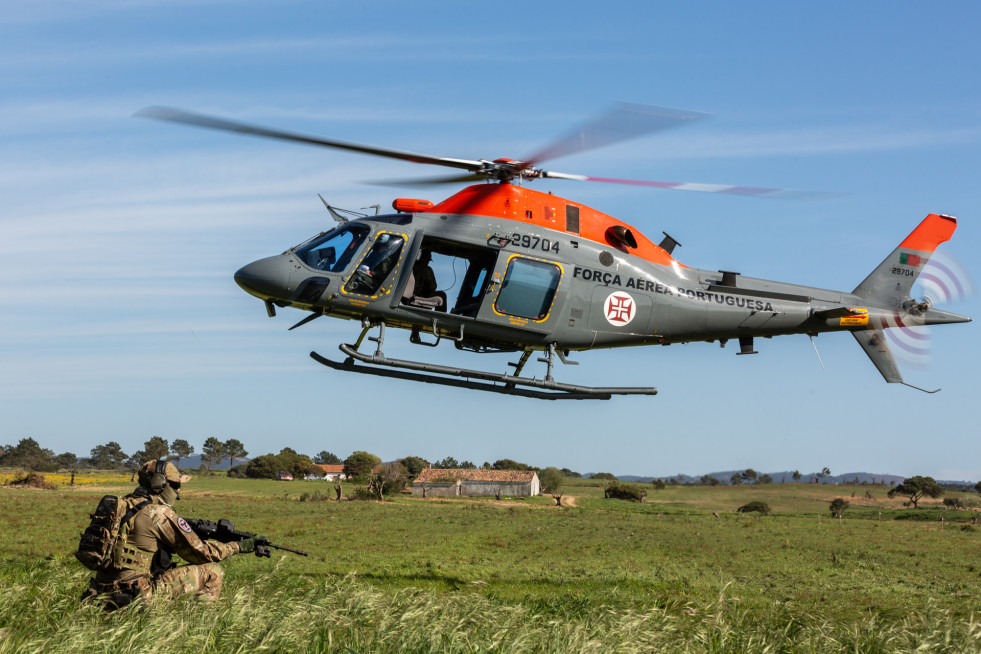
x,y
225,532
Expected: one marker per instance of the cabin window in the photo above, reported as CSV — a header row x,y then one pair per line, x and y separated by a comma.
x,y
528,289
377,264
571,219
333,251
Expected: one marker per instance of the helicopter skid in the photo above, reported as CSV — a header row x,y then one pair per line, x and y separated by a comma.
x,y
464,378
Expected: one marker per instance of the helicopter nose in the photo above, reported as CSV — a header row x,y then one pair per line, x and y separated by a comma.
x,y
267,279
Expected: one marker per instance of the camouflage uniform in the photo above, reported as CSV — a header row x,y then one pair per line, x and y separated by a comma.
x,y
141,558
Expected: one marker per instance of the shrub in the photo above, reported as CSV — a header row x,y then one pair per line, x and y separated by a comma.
x,y
962,502
238,472
755,507
363,493
838,506
393,478
31,480
551,479
262,467
628,492
604,475
933,515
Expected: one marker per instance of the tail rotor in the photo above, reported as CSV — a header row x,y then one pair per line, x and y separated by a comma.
x,y
944,279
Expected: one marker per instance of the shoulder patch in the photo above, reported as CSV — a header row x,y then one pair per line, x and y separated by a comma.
x,y
182,523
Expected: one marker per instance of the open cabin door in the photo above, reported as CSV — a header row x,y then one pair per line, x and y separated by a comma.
x,y
448,277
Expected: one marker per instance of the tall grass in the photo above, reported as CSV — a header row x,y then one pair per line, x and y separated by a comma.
x,y
40,612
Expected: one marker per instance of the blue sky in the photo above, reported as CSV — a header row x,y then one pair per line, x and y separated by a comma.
x,y
119,319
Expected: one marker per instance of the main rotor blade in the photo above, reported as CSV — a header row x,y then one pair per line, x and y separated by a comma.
x,y
754,191
625,120
426,182
199,120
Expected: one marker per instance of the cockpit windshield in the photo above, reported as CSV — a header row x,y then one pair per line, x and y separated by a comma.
x,y
333,251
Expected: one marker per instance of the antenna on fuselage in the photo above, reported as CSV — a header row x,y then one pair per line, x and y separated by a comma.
x,y
668,244
814,345
338,214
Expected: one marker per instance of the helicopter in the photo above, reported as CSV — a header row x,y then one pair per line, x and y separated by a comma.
x,y
545,274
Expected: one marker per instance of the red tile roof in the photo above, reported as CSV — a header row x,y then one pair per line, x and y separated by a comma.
x,y
430,474
330,467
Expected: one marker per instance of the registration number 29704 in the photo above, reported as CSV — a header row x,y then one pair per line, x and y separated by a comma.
x,y
532,242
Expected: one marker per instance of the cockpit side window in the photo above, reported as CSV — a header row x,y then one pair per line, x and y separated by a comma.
x,y
377,264
333,251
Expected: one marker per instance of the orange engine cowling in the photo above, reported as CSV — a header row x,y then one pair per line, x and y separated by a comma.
x,y
411,205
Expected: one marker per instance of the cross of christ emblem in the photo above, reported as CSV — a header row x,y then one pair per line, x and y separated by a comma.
x,y
619,309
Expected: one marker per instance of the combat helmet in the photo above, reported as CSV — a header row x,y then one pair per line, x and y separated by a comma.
x,y
157,475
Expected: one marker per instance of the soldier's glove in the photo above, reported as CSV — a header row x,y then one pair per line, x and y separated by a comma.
x,y
248,545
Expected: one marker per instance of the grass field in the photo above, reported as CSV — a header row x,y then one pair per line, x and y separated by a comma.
x,y
516,575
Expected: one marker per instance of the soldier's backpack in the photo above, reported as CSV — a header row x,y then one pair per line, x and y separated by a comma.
x,y
99,539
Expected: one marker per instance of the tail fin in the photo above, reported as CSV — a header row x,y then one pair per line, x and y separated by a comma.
x,y
889,285
873,342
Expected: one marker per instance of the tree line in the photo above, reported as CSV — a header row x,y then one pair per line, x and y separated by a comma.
x,y
29,455
750,476
359,466
363,467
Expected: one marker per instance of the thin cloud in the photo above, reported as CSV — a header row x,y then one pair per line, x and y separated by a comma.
x,y
364,49
821,141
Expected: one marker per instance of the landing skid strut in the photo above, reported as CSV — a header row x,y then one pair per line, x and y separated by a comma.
x,y
542,389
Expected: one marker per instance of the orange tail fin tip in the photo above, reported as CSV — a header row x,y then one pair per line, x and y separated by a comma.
x,y
934,230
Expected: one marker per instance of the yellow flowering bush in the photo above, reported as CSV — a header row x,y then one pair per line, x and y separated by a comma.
x,y
63,478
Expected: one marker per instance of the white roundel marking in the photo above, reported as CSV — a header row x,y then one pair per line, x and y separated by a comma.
x,y
619,309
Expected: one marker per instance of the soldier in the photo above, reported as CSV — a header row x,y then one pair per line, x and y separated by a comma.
x,y
141,559
425,278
